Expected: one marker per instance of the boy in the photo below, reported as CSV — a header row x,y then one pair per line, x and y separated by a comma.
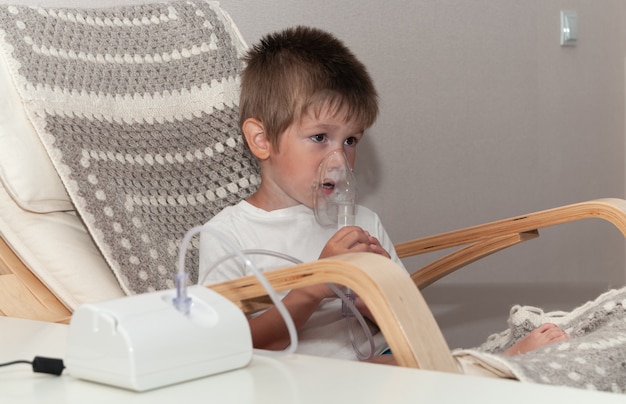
x,y
303,95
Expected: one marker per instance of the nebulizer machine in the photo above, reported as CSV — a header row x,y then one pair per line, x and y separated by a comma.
x,y
151,340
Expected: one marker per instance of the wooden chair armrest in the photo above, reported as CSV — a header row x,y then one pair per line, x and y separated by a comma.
x,y
23,295
610,209
458,259
397,306
485,239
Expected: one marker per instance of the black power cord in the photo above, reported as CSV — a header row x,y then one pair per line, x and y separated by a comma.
x,y
41,364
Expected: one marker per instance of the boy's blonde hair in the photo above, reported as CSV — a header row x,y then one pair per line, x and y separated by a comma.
x,y
300,70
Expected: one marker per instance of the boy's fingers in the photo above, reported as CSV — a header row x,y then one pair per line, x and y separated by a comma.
x,y
355,239
353,235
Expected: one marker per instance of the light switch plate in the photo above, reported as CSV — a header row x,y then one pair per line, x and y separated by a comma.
x,y
569,28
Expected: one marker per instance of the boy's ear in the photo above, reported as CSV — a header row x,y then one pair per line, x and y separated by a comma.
x,y
254,132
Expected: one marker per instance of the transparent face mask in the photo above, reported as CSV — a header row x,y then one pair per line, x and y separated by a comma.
x,y
335,191
334,199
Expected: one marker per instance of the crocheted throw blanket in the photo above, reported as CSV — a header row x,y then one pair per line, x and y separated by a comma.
x,y
137,108
593,358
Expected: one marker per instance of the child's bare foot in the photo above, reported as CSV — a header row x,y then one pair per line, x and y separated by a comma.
x,y
543,335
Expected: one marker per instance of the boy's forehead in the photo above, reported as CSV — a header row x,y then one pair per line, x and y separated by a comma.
x,y
330,123
327,114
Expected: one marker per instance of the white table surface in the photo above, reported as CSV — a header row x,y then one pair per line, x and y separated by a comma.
x,y
292,379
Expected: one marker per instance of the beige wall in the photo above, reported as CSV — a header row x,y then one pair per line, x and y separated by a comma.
x,y
484,116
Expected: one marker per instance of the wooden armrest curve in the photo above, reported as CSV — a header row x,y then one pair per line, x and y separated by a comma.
x,y
396,304
612,210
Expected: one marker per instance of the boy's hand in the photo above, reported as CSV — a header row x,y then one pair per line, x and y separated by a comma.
x,y
352,239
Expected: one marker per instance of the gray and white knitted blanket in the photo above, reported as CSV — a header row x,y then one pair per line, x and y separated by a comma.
x,y
137,108
593,358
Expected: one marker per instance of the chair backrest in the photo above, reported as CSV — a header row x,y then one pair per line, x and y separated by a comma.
x,y
137,108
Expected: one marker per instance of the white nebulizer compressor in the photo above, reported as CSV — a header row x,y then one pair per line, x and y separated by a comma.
x,y
143,342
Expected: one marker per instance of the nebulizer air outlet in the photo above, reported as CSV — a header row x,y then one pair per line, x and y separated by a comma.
x,y
334,203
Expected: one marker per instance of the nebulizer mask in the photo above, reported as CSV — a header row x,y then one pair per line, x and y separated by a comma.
x,y
334,204
334,192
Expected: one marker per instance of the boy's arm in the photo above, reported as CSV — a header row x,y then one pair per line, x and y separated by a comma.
x,y
269,330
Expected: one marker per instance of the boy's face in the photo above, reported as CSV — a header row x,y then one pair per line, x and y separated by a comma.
x,y
292,170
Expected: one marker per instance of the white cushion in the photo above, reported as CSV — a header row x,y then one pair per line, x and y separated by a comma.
x,y
25,168
65,258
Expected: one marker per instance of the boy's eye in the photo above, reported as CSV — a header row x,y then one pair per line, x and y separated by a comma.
x,y
319,138
351,141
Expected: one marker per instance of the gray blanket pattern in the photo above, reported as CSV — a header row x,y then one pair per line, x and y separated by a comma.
x,y
137,107
593,358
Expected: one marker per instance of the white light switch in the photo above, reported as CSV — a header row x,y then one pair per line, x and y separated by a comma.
x,y
569,28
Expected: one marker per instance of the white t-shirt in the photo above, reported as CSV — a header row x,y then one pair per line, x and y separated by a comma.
x,y
295,232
